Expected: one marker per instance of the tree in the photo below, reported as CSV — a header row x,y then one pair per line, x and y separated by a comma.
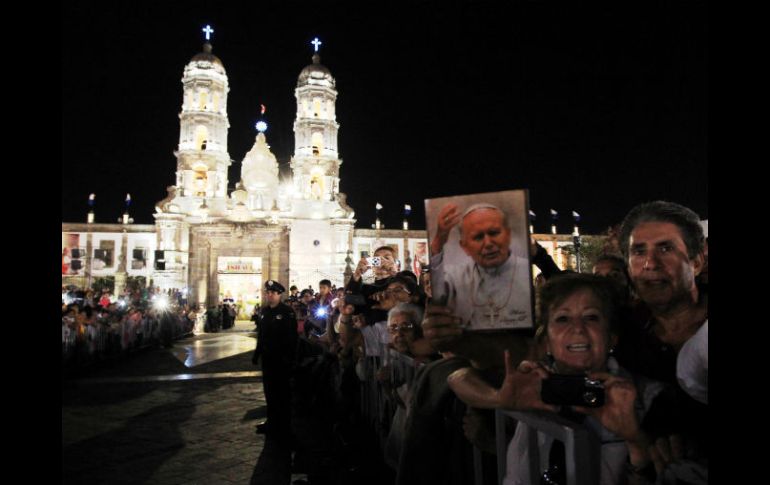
x,y
103,282
136,283
591,248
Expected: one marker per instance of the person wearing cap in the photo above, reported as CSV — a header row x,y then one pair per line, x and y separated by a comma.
x,y
276,345
493,289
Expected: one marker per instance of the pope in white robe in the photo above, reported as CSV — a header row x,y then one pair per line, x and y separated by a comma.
x,y
493,290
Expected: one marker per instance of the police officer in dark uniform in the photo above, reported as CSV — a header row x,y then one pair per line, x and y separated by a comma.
x,y
276,346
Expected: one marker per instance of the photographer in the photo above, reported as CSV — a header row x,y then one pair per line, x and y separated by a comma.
x,y
383,265
319,310
302,308
578,314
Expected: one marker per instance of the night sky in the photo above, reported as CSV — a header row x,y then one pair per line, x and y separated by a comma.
x,y
593,109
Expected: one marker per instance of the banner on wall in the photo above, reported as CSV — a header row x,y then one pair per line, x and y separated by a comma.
x,y
72,259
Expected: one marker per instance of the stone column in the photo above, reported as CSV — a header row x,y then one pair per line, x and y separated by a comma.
x,y
407,255
348,267
89,257
121,274
274,255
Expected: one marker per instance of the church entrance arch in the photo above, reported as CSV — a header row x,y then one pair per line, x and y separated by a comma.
x,y
240,278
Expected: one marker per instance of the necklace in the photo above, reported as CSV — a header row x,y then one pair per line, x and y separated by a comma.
x,y
493,309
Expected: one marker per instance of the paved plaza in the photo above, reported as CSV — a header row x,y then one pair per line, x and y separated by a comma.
x,y
184,415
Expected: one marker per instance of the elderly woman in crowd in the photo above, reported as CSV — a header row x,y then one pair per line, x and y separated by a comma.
x,y
404,328
578,313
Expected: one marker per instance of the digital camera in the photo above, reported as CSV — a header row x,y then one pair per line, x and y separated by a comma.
x,y
568,390
355,299
374,261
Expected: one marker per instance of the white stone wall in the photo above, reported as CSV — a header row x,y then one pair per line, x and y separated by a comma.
x,y
310,263
135,240
369,244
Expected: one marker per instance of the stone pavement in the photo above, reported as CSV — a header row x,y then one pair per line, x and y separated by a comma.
x,y
150,419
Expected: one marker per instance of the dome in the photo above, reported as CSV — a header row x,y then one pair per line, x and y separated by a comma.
x,y
316,74
259,171
207,60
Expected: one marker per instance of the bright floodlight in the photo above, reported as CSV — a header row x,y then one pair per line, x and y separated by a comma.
x,y
161,302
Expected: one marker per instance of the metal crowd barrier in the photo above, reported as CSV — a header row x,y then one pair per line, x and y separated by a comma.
x,y
582,448
373,401
102,341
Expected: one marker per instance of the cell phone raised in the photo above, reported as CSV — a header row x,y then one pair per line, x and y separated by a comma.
x,y
568,390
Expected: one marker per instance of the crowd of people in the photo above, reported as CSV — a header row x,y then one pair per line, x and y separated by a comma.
x,y
99,325
381,352
380,357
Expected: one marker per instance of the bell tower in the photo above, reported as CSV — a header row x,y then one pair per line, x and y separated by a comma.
x,y
202,157
316,162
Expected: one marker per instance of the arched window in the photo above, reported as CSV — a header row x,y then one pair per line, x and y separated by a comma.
x,y
317,141
201,137
203,100
316,187
200,180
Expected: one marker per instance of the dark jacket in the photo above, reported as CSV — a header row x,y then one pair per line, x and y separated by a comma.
x,y
276,337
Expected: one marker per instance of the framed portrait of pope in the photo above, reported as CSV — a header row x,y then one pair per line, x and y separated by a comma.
x,y
479,258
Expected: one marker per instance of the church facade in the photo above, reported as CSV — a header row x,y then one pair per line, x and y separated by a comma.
x,y
214,244
217,245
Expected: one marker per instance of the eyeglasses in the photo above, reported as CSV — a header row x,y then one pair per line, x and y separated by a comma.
x,y
392,291
400,328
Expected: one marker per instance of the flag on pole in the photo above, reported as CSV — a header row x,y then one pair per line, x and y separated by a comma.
x,y
531,214
128,200
378,206
91,199
554,214
576,216
407,209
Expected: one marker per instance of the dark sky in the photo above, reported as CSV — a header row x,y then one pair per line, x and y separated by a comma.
x,y
593,109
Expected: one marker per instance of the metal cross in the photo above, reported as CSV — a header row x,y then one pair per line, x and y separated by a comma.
x,y
492,315
316,43
208,31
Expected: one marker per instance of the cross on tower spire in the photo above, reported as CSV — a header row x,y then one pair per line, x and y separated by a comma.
x,y
316,43
208,31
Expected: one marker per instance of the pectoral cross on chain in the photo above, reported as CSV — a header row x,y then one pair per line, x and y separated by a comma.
x,y
493,313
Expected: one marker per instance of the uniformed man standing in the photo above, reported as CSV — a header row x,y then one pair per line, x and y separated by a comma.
x,y
276,344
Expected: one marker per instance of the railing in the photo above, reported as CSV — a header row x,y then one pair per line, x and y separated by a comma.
x,y
101,341
375,405
582,448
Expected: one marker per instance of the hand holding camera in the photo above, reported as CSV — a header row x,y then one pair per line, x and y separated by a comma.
x,y
572,390
521,388
617,414
362,267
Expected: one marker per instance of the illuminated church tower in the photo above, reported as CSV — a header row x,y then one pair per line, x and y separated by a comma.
x,y
200,191
202,157
316,162
323,222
